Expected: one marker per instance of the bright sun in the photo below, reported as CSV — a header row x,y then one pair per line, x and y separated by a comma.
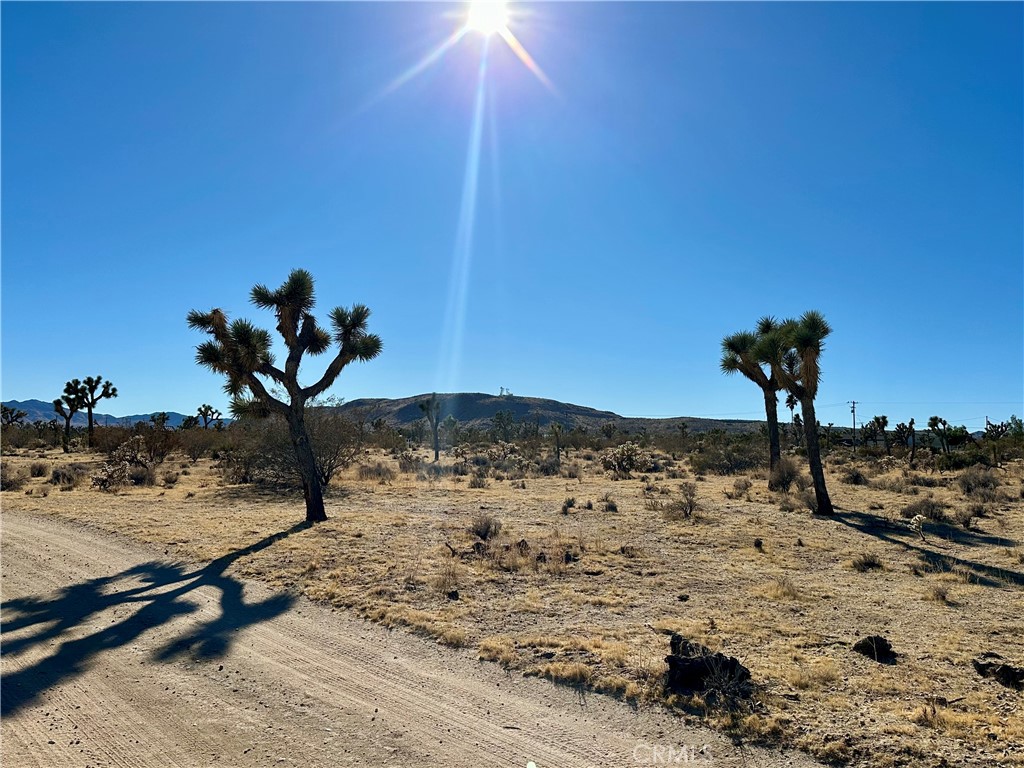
x,y
487,16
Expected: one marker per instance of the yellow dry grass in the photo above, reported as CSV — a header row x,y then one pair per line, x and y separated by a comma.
x,y
588,597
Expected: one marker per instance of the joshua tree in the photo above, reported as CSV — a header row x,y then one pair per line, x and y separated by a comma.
x,y
93,390
450,428
11,416
241,352
431,408
881,424
556,436
208,414
793,350
189,422
66,406
739,353
940,428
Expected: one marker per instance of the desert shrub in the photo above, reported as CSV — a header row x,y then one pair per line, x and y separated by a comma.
x,y
625,459
260,450
196,442
114,474
739,488
925,481
784,474
963,516
67,475
686,505
105,439
978,481
408,464
485,527
38,469
142,475
610,506
11,479
378,472
808,499
948,462
568,504
853,476
478,481
171,478
928,507
717,453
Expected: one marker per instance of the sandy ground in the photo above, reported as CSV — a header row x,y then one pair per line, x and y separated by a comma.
x,y
115,655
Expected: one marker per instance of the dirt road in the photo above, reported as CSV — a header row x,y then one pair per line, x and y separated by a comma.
x,y
113,655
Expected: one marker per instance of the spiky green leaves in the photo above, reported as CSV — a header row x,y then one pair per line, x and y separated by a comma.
x,y
350,333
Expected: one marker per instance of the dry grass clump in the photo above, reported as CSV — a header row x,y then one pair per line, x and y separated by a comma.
x,y
979,482
12,479
485,526
38,469
379,472
867,561
781,588
815,676
854,476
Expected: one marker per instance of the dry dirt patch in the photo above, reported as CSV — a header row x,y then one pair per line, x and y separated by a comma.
x,y
587,593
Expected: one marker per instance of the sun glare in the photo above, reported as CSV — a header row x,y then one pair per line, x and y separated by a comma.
x,y
487,16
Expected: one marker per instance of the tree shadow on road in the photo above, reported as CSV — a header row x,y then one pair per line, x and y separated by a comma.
x,y
142,597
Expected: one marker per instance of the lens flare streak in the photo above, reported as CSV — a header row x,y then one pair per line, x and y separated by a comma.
x,y
525,57
418,67
458,288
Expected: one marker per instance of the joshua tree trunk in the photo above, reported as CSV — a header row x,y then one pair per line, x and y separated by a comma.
x,y
771,412
436,440
814,457
66,437
312,489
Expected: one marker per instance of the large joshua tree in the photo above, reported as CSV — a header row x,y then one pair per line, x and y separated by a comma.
x,y
241,352
739,354
793,350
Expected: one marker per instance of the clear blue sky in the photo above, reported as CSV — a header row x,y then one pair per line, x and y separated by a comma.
x,y
694,166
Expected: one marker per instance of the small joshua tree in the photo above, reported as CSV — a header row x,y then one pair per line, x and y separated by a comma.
x,y
66,406
94,389
11,416
431,408
209,415
740,354
241,352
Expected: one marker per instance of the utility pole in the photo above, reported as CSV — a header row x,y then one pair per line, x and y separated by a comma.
x,y
853,410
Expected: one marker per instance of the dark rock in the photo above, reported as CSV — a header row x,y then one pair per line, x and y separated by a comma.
x,y
569,557
758,544
992,665
523,546
453,595
542,558
876,647
694,668
683,598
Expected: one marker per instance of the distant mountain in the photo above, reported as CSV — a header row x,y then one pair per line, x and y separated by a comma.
x,y
477,409
42,410
473,409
